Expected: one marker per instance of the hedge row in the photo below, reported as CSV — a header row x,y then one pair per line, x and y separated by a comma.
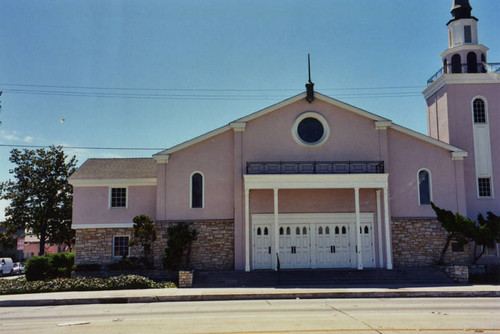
x,y
17,286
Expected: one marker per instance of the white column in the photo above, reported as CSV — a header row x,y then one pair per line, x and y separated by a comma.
x,y
276,231
247,230
388,247
358,226
379,226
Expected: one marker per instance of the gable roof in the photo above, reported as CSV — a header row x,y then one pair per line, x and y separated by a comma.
x,y
120,168
164,154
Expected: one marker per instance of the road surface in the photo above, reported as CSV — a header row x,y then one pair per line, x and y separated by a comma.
x,y
423,315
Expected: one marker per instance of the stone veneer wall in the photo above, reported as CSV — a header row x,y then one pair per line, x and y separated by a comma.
x,y
418,242
95,245
213,249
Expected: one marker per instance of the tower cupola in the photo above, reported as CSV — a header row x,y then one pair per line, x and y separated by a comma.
x,y
461,9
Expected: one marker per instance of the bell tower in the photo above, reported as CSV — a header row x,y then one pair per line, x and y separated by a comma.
x,y
463,108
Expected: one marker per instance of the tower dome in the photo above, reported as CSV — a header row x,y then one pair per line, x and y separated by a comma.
x,y
461,9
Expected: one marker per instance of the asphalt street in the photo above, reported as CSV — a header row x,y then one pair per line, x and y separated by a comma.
x,y
419,315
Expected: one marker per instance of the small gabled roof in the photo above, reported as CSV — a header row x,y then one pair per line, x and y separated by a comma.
x,y
120,168
299,97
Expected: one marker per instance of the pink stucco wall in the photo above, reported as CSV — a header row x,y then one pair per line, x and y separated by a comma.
x,y
214,159
91,205
269,138
408,156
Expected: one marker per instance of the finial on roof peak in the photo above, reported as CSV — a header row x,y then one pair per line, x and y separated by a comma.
x,y
309,84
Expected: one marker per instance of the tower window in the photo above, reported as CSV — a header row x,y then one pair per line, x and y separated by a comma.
x,y
197,190
471,62
479,111
467,34
456,64
484,186
424,187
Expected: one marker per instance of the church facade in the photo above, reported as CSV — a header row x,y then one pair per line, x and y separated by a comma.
x,y
312,182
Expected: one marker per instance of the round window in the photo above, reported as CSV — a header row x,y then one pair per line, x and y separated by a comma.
x,y
310,129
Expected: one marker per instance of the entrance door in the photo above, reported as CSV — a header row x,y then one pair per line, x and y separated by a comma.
x,y
332,246
262,247
367,249
295,250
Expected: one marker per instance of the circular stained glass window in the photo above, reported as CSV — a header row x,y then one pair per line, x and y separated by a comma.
x,y
310,129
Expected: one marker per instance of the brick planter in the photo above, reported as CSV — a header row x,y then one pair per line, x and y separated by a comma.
x,y
186,279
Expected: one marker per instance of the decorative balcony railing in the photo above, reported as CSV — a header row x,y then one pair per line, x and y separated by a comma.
x,y
315,167
464,68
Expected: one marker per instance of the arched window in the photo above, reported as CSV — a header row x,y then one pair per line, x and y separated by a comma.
x,y
479,111
424,187
456,64
445,66
320,230
471,62
196,190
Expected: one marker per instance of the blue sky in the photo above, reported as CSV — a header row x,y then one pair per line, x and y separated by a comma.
x,y
157,73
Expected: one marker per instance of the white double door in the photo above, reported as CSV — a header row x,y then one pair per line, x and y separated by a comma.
x,y
312,241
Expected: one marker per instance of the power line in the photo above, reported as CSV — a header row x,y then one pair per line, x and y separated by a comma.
x,y
201,89
87,147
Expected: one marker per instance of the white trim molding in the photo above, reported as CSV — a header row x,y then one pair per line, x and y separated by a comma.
x,y
382,125
315,181
102,225
110,197
113,182
316,116
238,126
161,158
430,186
128,245
461,79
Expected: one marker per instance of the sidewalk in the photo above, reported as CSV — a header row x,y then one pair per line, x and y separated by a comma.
x,y
212,294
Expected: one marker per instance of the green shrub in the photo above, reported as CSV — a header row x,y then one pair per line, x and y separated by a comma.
x,y
37,268
49,266
21,285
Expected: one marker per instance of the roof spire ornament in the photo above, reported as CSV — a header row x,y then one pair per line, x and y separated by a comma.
x,y
309,84
461,9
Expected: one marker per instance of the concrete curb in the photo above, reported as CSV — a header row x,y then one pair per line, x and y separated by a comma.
x,y
247,296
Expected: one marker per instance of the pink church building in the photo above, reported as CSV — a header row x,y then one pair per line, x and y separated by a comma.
x,y
312,182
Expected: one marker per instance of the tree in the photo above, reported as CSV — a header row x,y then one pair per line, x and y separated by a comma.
x,y
487,233
144,234
40,196
180,239
459,228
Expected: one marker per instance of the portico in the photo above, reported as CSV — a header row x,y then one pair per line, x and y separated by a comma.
x,y
378,182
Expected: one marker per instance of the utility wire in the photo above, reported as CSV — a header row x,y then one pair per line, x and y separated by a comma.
x,y
199,89
87,147
195,93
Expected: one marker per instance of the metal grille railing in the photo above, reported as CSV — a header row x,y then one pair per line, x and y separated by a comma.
x,y
315,167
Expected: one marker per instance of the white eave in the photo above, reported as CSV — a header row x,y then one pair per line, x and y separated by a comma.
x,y
112,182
460,79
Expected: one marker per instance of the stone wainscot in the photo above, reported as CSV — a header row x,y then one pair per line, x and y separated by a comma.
x,y
213,249
418,242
